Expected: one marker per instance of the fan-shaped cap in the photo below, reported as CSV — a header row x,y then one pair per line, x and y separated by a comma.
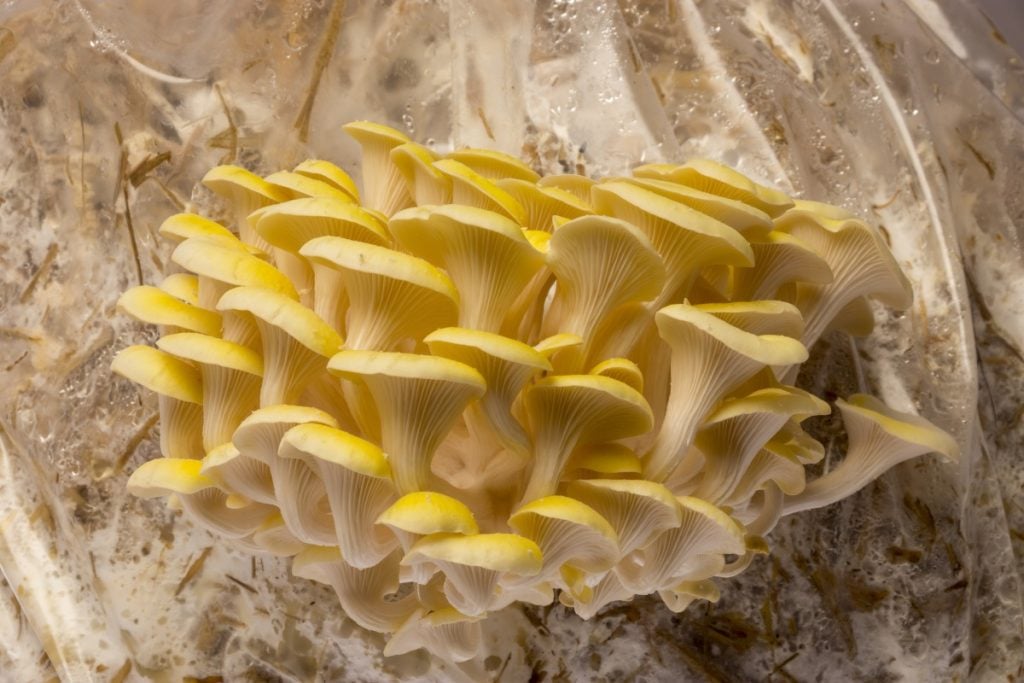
x,y
542,204
259,434
601,263
298,185
759,317
722,356
183,226
474,564
858,256
418,399
159,372
182,286
289,225
180,390
383,185
621,369
231,266
357,479
211,352
612,460
494,165
744,218
578,185
231,379
154,306
638,510
738,429
567,531
486,255
246,192
295,340
779,259
199,495
428,512
325,171
425,184
472,189
687,240
879,438
240,474
714,178
565,412
163,476
392,296
677,553
505,364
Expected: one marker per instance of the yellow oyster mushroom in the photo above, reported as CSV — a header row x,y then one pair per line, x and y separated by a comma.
x,y
393,297
357,479
566,412
417,398
325,171
296,342
231,380
179,389
485,254
424,183
384,186
474,564
155,306
879,439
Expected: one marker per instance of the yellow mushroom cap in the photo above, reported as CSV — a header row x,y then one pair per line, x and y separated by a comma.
x,y
429,512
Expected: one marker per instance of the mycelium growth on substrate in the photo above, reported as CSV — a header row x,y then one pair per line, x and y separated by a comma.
x,y
466,386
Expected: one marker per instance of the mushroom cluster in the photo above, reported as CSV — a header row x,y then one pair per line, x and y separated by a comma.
x,y
466,385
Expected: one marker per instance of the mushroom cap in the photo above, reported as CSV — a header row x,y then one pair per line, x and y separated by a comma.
x,y
163,476
903,426
767,349
472,189
624,200
329,173
714,178
206,350
562,508
578,185
496,552
368,132
286,314
829,231
429,512
337,447
744,218
259,435
542,204
183,226
360,365
231,266
290,225
159,372
183,286
759,317
474,347
242,187
606,459
782,400
604,408
621,369
426,184
494,165
154,306
368,258
298,185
